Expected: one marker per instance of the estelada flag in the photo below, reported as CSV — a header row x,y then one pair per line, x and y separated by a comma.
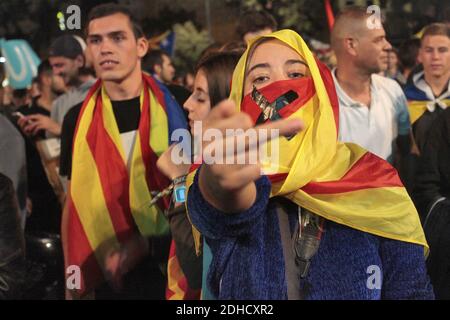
x,y
341,182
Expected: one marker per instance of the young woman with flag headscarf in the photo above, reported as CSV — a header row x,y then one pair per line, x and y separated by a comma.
x,y
331,222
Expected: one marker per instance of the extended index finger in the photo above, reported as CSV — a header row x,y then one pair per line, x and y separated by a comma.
x,y
254,138
285,127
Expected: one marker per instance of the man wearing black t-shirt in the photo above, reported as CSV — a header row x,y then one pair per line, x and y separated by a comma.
x,y
116,44
46,210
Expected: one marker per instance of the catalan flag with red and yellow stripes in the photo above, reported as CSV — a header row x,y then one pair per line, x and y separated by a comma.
x,y
109,203
341,182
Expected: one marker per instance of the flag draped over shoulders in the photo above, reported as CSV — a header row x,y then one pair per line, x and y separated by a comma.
x,y
108,201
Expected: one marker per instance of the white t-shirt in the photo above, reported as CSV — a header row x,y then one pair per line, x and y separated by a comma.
x,y
377,127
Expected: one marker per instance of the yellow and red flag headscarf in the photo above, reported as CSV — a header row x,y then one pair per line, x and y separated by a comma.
x,y
108,202
341,182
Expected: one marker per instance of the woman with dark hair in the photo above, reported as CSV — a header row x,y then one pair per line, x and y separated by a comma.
x,y
211,85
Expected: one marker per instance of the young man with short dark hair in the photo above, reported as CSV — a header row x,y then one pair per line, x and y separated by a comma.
x,y
159,64
110,145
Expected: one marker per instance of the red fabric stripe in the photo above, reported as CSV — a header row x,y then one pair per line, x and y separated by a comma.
x,y
170,293
331,90
155,179
113,175
330,15
277,177
194,167
368,172
81,254
91,92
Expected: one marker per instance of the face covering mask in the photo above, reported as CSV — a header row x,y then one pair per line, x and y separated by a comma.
x,y
277,100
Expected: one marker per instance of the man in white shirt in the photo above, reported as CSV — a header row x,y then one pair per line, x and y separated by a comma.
x,y
372,109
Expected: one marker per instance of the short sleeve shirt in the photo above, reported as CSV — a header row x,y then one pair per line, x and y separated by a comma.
x,y
377,127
